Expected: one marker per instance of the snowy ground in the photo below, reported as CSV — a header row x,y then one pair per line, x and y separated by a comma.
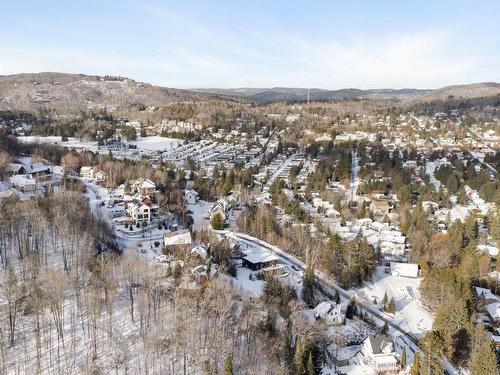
x,y
71,143
430,167
153,143
244,286
156,143
200,213
411,315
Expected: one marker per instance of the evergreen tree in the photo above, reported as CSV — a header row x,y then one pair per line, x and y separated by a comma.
x,y
217,222
453,323
433,350
288,350
415,366
298,358
384,301
403,358
228,365
385,328
484,361
391,306
336,297
310,365
495,226
308,287
351,309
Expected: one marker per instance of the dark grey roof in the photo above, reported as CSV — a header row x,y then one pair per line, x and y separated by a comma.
x,y
377,342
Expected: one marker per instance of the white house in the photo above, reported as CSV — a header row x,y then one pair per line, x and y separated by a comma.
x,y
329,312
404,269
200,251
191,196
101,175
142,212
87,172
379,352
144,186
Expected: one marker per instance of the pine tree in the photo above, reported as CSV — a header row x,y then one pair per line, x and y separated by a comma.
x,y
351,309
484,361
452,322
385,328
308,287
217,222
391,306
433,350
310,365
288,350
228,365
415,366
298,358
403,358
336,297
384,301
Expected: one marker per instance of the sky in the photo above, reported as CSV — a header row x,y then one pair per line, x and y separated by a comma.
x,y
326,44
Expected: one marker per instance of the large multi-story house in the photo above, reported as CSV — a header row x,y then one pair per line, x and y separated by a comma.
x,y
144,187
142,211
379,352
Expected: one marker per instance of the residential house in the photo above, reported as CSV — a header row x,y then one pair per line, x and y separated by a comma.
x,y
101,175
177,240
404,269
490,302
200,251
144,187
87,172
257,259
220,207
329,312
142,211
380,207
379,352
191,196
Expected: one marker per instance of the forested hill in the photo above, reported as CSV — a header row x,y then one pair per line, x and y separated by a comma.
x,y
74,93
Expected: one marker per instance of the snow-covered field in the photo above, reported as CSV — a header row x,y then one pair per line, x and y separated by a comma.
x,y
411,315
156,143
70,143
153,143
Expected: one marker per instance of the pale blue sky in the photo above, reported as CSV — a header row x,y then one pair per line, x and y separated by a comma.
x,y
259,43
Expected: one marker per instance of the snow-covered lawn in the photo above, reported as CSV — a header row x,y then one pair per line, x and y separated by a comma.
x,y
411,315
244,286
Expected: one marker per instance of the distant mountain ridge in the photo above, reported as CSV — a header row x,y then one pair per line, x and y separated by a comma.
x,y
470,91
68,94
300,94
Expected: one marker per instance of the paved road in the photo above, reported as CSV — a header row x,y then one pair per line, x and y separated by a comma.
x,y
353,179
